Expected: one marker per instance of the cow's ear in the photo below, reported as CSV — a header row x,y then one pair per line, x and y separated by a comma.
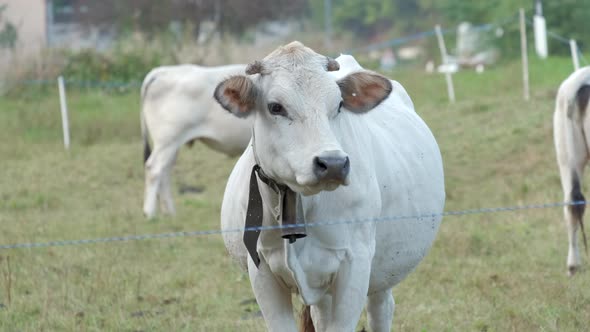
x,y
237,94
363,90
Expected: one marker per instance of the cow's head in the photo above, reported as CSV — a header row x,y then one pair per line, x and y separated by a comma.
x,y
295,99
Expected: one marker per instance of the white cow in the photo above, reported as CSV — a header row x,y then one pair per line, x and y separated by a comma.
x,y
178,108
350,143
570,127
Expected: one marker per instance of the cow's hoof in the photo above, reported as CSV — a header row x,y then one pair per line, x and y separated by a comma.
x,y
571,270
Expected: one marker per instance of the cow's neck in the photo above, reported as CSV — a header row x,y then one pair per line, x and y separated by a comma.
x,y
287,211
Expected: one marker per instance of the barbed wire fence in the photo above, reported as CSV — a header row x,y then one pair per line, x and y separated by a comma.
x,y
141,237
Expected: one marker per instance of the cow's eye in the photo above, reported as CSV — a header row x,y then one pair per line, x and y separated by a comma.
x,y
340,106
277,109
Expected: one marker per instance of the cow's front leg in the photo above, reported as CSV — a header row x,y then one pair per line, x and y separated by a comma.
x,y
273,299
349,294
380,307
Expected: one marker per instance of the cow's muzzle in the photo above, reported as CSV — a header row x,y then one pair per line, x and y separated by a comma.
x,y
331,166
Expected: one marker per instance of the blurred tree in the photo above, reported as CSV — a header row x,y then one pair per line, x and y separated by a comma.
x,y
149,16
237,15
370,17
569,18
144,15
8,32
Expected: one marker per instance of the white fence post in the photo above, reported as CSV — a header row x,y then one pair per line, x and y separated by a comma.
x,y
64,111
574,50
540,31
525,59
445,60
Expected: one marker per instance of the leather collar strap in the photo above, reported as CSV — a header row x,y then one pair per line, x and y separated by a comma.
x,y
277,188
254,216
290,205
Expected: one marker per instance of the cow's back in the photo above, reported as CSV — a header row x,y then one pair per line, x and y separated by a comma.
x,y
180,99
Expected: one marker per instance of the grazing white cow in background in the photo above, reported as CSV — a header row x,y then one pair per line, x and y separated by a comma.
x,y
571,124
351,147
178,108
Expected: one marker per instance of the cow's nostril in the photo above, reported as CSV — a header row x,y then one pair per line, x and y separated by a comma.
x,y
346,167
320,164
320,167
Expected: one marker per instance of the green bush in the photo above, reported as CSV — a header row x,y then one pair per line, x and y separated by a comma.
x,y
129,65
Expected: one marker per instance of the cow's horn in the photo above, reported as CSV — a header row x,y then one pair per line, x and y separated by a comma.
x,y
255,67
332,65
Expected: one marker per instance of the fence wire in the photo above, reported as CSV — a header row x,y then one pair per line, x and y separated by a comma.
x,y
129,238
555,36
564,41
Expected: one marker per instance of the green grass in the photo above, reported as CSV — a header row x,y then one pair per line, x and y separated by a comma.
x,y
489,272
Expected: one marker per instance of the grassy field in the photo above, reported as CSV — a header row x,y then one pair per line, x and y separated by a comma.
x,y
489,272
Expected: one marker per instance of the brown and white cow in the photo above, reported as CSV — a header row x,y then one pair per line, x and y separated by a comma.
x,y
571,125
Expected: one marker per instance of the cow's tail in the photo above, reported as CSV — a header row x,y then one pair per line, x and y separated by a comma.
x,y
305,322
577,210
147,150
582,99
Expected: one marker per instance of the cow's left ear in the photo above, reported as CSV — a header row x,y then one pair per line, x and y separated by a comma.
x,y
363,90
237,94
